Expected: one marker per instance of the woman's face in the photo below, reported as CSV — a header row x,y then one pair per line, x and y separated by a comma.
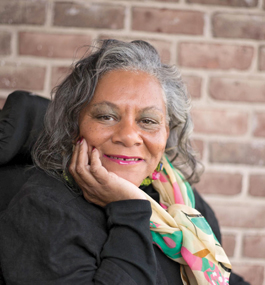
x,y
126,122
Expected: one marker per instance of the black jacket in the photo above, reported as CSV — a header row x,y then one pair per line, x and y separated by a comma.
x,y
53,236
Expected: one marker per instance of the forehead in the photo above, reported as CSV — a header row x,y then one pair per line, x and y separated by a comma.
x,y
135,87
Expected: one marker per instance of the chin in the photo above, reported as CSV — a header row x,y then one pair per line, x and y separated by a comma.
x,y
134,178
133,174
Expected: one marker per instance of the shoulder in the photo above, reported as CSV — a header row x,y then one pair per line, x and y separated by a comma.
x,y
46,212
49,198
46,222
42,185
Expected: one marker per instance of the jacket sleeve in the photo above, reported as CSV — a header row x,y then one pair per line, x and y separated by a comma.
x,y
46,242
209,215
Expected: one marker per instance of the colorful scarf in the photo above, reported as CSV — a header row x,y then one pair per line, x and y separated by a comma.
x,y
183,234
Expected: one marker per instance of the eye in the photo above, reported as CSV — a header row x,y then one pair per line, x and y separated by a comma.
x,y
149,122
105,118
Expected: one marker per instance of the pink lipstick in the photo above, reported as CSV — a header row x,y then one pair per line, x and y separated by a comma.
x,y
123,160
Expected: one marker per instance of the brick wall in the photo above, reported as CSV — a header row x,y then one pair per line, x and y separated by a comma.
x,y
219,46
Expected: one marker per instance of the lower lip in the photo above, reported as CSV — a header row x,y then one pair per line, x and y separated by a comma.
x,y
123,162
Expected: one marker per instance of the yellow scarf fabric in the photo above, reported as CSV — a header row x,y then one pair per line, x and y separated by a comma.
x,y
183,234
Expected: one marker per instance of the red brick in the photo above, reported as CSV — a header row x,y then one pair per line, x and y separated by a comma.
x,y
194,85
2,102
25,12
257,185
50,45
91,15
237,89
252,245
229,243
215,56
58,75
5,43
232,3
262,58
167,21
215,121
22,77
173,1
235,215
238,153
162,47
259,125
198,146
236,25
252,273
220,183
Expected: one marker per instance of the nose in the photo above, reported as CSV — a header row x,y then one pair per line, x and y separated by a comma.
x,y
127,133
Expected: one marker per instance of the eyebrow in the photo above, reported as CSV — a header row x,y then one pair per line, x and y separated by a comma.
x,y
105,103
152,108
114,106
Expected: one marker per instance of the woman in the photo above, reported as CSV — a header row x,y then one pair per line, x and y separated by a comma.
x,y
84,219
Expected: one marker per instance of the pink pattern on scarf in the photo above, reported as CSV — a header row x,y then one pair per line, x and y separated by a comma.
x,y
177,194
162,178
163,206
194,262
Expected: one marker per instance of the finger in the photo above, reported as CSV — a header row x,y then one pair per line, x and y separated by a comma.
x,y
72,165
82,157
99,172
79,169
82,170
78,166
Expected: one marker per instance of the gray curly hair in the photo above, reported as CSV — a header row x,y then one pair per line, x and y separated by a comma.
x,y
53,150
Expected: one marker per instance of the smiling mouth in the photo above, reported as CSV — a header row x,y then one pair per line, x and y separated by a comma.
x,y
123,159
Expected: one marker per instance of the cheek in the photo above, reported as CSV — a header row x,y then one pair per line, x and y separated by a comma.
x,y
156,151
156,145
93,135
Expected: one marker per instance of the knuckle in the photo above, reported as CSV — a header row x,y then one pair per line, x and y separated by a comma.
x,y
71,169
89,197
79,170
94,170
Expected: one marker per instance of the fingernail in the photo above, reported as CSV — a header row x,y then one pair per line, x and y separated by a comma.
x,y
80,140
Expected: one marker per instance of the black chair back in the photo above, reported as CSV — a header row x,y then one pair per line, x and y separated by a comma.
x,y
21,121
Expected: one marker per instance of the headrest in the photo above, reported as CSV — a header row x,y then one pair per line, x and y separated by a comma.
x,y
21,121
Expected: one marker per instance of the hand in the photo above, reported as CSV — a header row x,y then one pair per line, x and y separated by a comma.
x,y
98,185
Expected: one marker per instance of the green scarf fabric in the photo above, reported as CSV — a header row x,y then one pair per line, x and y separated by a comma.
x,y
183,234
